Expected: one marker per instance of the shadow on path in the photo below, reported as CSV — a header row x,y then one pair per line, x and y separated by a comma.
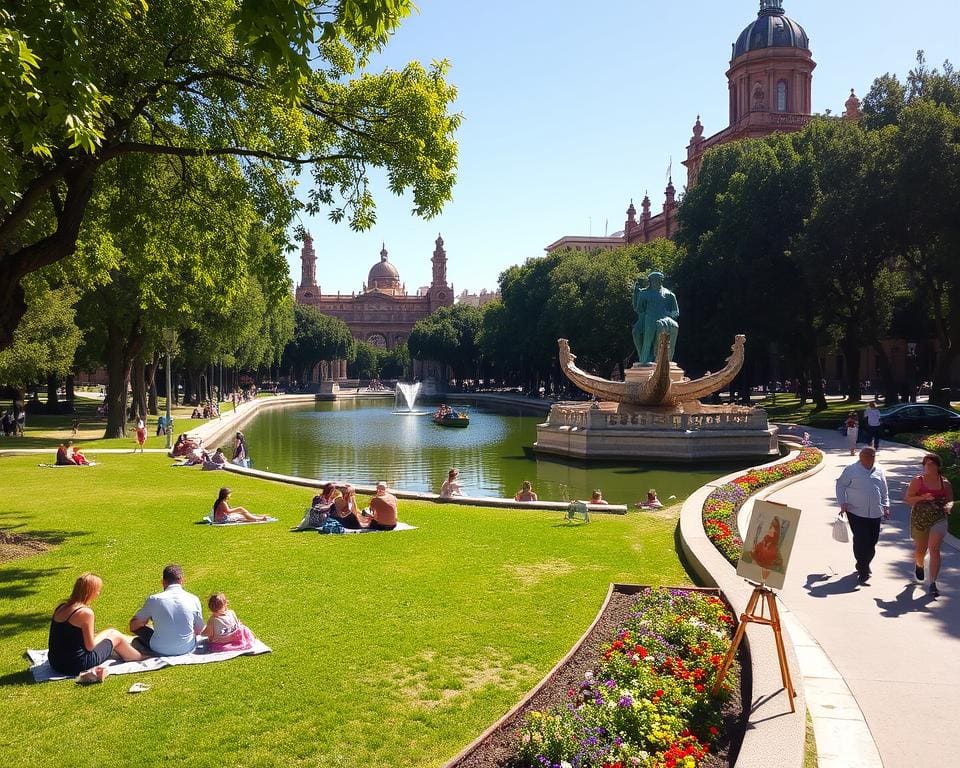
x,y
819,584
905,602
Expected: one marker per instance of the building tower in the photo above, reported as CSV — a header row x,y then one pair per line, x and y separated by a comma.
x,y
441,294
308,270
769,81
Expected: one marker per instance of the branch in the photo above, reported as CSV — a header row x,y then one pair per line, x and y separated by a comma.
x,y
133,147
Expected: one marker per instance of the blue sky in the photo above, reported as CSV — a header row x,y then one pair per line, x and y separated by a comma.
x,y
571,109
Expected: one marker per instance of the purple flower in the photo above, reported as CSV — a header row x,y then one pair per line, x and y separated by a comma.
x,y
626,701
610,684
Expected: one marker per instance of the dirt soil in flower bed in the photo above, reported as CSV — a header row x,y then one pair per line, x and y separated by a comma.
x,y
14,546
498,750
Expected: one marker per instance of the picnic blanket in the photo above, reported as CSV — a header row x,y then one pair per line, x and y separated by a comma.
x,y
304,526
43,672
208,518
57,466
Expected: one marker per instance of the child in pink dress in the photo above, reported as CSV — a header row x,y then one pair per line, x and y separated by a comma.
x,y
223,629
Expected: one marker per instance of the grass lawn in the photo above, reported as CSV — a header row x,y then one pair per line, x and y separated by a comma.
x,y
787,409
388,649
49,430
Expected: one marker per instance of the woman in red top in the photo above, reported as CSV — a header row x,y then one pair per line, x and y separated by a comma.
x,y
929,495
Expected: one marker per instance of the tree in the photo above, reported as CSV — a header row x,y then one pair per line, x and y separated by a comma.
x,y
45,342
269,83
449,336
316,337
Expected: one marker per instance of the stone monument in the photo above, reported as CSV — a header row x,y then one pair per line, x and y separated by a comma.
x,y
656,413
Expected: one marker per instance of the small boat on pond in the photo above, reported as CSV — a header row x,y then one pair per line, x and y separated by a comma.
x,y
449,417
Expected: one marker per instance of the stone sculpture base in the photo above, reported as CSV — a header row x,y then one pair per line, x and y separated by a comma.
x,y
690,432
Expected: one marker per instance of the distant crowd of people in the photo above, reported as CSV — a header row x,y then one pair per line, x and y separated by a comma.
x,y
14,422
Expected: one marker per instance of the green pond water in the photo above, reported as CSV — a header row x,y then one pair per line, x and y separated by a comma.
x,y
363,441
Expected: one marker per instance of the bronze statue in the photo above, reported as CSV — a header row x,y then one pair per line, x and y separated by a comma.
x,y
657,313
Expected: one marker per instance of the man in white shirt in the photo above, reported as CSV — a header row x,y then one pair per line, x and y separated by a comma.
x,y
176,615
873,425
863,497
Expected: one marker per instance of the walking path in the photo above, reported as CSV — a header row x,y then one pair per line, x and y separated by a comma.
x,y
896,648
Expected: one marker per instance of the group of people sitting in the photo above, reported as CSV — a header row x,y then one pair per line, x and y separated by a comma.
x,y
339,503
169,624
67,455
208,409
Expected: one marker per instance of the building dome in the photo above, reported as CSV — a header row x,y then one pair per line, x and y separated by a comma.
x,y
383,275
772,29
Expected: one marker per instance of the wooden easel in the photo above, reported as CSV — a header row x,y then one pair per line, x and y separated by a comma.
x,y
752,616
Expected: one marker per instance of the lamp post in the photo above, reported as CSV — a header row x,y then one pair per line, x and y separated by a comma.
x,y
169,343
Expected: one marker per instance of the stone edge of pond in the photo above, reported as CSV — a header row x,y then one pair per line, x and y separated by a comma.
x,y
774,736
218,430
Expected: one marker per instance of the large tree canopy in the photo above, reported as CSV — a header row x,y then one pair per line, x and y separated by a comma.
x,y
275,84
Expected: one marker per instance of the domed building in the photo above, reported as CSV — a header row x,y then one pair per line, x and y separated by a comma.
x,y
770,85
382,313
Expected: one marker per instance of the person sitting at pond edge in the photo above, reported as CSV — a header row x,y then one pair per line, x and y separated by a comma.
x,y
176,616
321,507
224,513
383,510
345,510
74,645
597,497
240,450
652,501
451,487
525,493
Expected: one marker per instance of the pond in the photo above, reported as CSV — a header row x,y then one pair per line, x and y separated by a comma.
x,y
363,441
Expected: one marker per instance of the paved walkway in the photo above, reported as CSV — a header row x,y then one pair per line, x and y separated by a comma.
x,y
897,648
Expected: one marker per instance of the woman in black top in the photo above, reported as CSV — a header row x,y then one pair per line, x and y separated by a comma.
x,y
73,646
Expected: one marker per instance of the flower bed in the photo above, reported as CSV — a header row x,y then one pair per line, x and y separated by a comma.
x,y
648,701
722,505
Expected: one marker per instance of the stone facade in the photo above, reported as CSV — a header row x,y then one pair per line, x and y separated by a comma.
x,y
382,313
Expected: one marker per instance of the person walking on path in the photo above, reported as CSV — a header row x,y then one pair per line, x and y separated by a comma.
x,y
853,427
928,496
873,425
864,498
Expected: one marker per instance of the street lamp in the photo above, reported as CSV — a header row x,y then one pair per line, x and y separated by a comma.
x,y
169,344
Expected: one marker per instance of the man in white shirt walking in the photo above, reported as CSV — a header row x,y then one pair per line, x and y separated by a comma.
x,y
863,497
873,425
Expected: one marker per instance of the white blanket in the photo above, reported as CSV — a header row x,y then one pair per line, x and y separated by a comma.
x,y
208,518
43,672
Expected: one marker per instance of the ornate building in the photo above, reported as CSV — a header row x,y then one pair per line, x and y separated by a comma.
x,y
383,313
770,84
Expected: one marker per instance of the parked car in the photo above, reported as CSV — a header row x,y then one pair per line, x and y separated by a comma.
x,y
917,417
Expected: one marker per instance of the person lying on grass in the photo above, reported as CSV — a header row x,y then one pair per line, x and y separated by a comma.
x,y
224,513
74,645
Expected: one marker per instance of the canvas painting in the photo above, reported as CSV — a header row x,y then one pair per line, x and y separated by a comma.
x,y
768,543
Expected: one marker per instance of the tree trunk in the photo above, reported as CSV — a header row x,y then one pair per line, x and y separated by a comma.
x,y
886,372
940,394
71,395
122,346
816,382
138,381
53,402
151,375
851,356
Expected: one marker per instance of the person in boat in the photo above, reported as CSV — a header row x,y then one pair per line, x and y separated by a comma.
x,y
443,412
525,493
597,497
451,486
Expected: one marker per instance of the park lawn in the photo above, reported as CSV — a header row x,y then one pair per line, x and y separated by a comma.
x,y
786,409
388,649
49,430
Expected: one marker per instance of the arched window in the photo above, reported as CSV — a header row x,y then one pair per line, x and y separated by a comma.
x,y
782,96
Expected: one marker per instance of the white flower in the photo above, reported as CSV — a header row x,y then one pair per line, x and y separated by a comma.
x,y
588,675
565,764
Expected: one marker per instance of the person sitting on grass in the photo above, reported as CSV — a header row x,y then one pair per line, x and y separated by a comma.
x,y
74,644
382,512
184,445
217,461
597,497
223,629
451,486
345,510
176,616
652,501
224,513
62,458
74,456
525,493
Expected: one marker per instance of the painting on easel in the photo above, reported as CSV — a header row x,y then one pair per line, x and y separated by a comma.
x,y
768,543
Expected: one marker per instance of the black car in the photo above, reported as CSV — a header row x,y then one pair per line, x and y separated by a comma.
x,y
917,417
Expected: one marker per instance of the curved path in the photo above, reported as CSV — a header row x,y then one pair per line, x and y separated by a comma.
x,y
896,648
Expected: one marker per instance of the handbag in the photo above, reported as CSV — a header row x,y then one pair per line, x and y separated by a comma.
x,y
840,532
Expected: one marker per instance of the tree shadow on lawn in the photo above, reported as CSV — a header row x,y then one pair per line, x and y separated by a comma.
x,y
16,678
22,581
15,623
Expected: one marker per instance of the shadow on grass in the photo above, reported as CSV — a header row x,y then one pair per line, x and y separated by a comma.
x,y
16,678
19,581
12,623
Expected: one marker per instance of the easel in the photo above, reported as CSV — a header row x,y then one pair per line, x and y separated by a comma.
x,y
751,616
